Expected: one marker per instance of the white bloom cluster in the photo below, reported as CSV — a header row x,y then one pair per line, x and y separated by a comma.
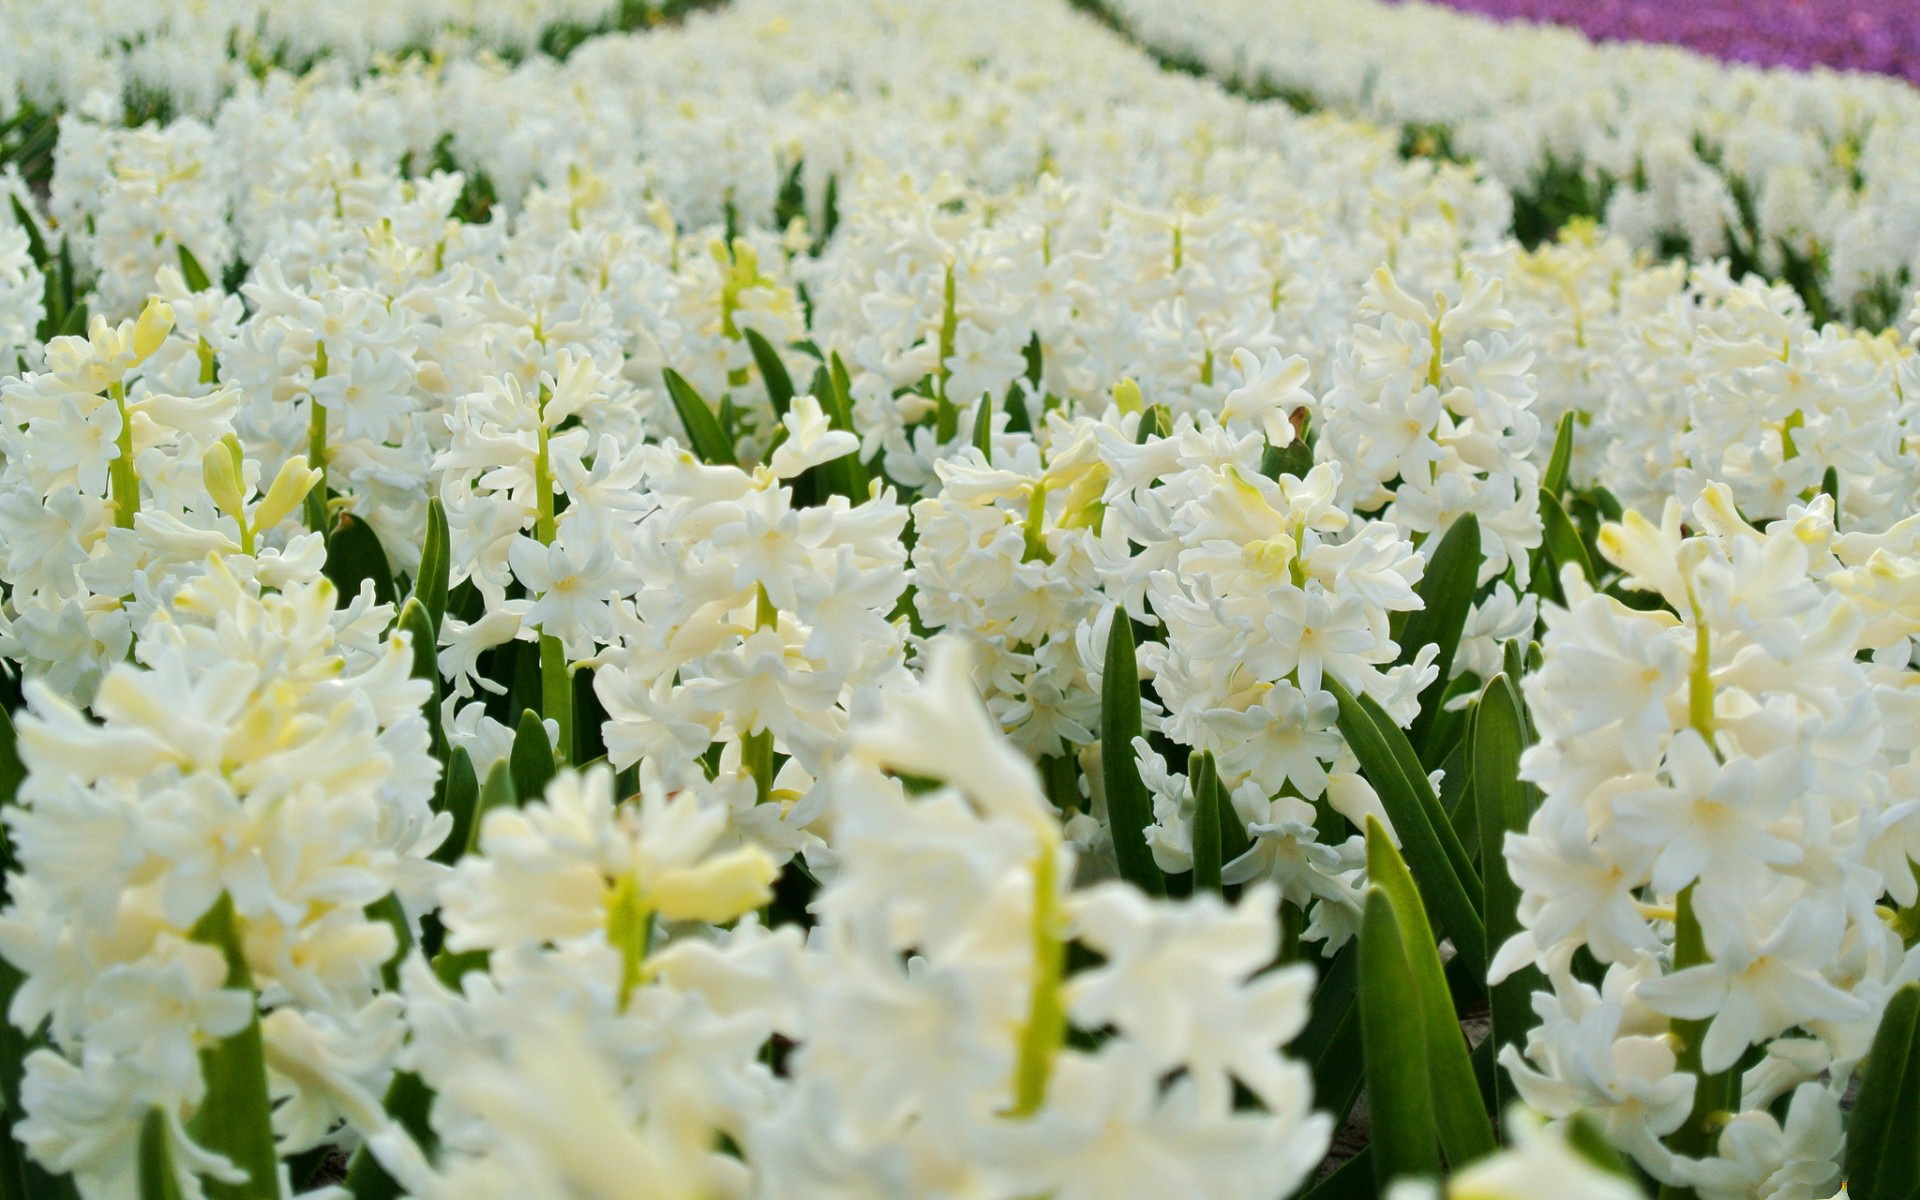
x,y
185,55
1812,171
210,854
920,1029
1728,792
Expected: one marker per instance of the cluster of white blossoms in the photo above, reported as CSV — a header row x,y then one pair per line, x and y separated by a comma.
x,y
1728,792
232,838
616,1040
780,421
1792,169
188,54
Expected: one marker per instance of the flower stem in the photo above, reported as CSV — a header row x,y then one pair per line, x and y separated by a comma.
x,y
946,416
756,748
317,444
556,680
124,479
1046,1024
1714,1095
630,930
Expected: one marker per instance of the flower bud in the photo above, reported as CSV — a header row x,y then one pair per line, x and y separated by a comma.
x,y
221,470
289,488
155,323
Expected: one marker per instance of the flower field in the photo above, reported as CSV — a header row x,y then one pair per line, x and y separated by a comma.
x,y
868,599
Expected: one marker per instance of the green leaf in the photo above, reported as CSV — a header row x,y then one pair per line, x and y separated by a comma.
x,y
1553,481
436,563
1447,590
773,372
36,245
1466,1133
191,271
74,323
983,428
235,1118
408,1101
1503,802
353,556
1562,540
1129,810
1295,460
12,774
459,796
1152,425
388,909
496,792
1406,1143
20,1177
1883,1138
1830,486
1208,801
1330,1043
1351,1180
848,470
704,435
418,626
1447,880
531,760
158,1180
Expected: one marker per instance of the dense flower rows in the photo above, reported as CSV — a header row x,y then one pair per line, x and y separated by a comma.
x,y
874,599
1807,176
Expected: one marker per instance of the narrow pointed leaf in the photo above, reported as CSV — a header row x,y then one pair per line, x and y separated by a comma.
x,y
1129,811
36,245
459,796
773,372
1503,802
1466,1133
1553,480
436,562
1330,1043
704,435
1406,1141
848,470
1883,1138
191,271
531,760
1451,894
354,555
983,428
418,627
1206,821
235,1119
1562,540
1414,771
157,1178
1447,590
496,792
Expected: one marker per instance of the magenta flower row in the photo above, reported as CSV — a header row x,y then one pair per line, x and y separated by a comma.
x,y
1881,36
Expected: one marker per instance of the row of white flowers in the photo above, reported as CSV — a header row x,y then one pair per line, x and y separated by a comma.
x,y
95,55
1797,170
988,335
